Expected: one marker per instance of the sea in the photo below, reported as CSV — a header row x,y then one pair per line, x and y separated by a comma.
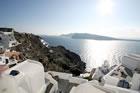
x,y
95,52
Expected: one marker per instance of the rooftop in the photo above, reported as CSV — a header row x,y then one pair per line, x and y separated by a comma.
x,y
6,29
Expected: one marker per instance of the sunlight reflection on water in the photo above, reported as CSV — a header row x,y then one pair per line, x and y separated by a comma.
x,y
94,52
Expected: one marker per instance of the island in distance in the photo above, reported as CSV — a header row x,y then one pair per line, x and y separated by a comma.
x,y
93,37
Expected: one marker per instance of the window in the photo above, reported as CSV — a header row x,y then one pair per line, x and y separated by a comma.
x,y
0,59
7,61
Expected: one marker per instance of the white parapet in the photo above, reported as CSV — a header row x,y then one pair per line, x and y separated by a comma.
x,y
29,79
86,88
69,77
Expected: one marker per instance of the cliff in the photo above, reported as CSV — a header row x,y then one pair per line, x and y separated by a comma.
x,y
53,58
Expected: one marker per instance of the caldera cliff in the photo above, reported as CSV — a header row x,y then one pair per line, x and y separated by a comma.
x,y
53,58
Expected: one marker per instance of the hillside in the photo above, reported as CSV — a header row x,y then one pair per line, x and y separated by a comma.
x,y
88,36
53,58
95,37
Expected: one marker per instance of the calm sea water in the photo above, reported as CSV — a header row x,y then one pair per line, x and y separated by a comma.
x,y
94,52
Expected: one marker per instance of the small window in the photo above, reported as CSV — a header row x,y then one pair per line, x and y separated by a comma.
x,y
7,61
0,59
13,44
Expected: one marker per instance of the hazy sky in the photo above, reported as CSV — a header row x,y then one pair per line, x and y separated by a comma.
x,y
119,18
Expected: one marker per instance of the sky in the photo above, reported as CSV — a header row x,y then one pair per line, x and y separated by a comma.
x,y
116,18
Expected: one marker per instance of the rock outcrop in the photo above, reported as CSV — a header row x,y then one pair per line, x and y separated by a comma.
x,y
53,58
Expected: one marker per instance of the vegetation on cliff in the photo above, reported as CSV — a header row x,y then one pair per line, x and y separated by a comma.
x,y
53,58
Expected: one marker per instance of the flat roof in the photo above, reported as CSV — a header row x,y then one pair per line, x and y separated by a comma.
x,y
6,29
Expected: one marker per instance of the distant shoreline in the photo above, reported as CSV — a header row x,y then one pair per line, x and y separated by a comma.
x,y
94,37
115,39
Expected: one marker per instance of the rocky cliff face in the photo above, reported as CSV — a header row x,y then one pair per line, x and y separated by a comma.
x,y
52,58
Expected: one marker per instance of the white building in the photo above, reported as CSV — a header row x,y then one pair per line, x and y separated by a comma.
x,y
7,38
